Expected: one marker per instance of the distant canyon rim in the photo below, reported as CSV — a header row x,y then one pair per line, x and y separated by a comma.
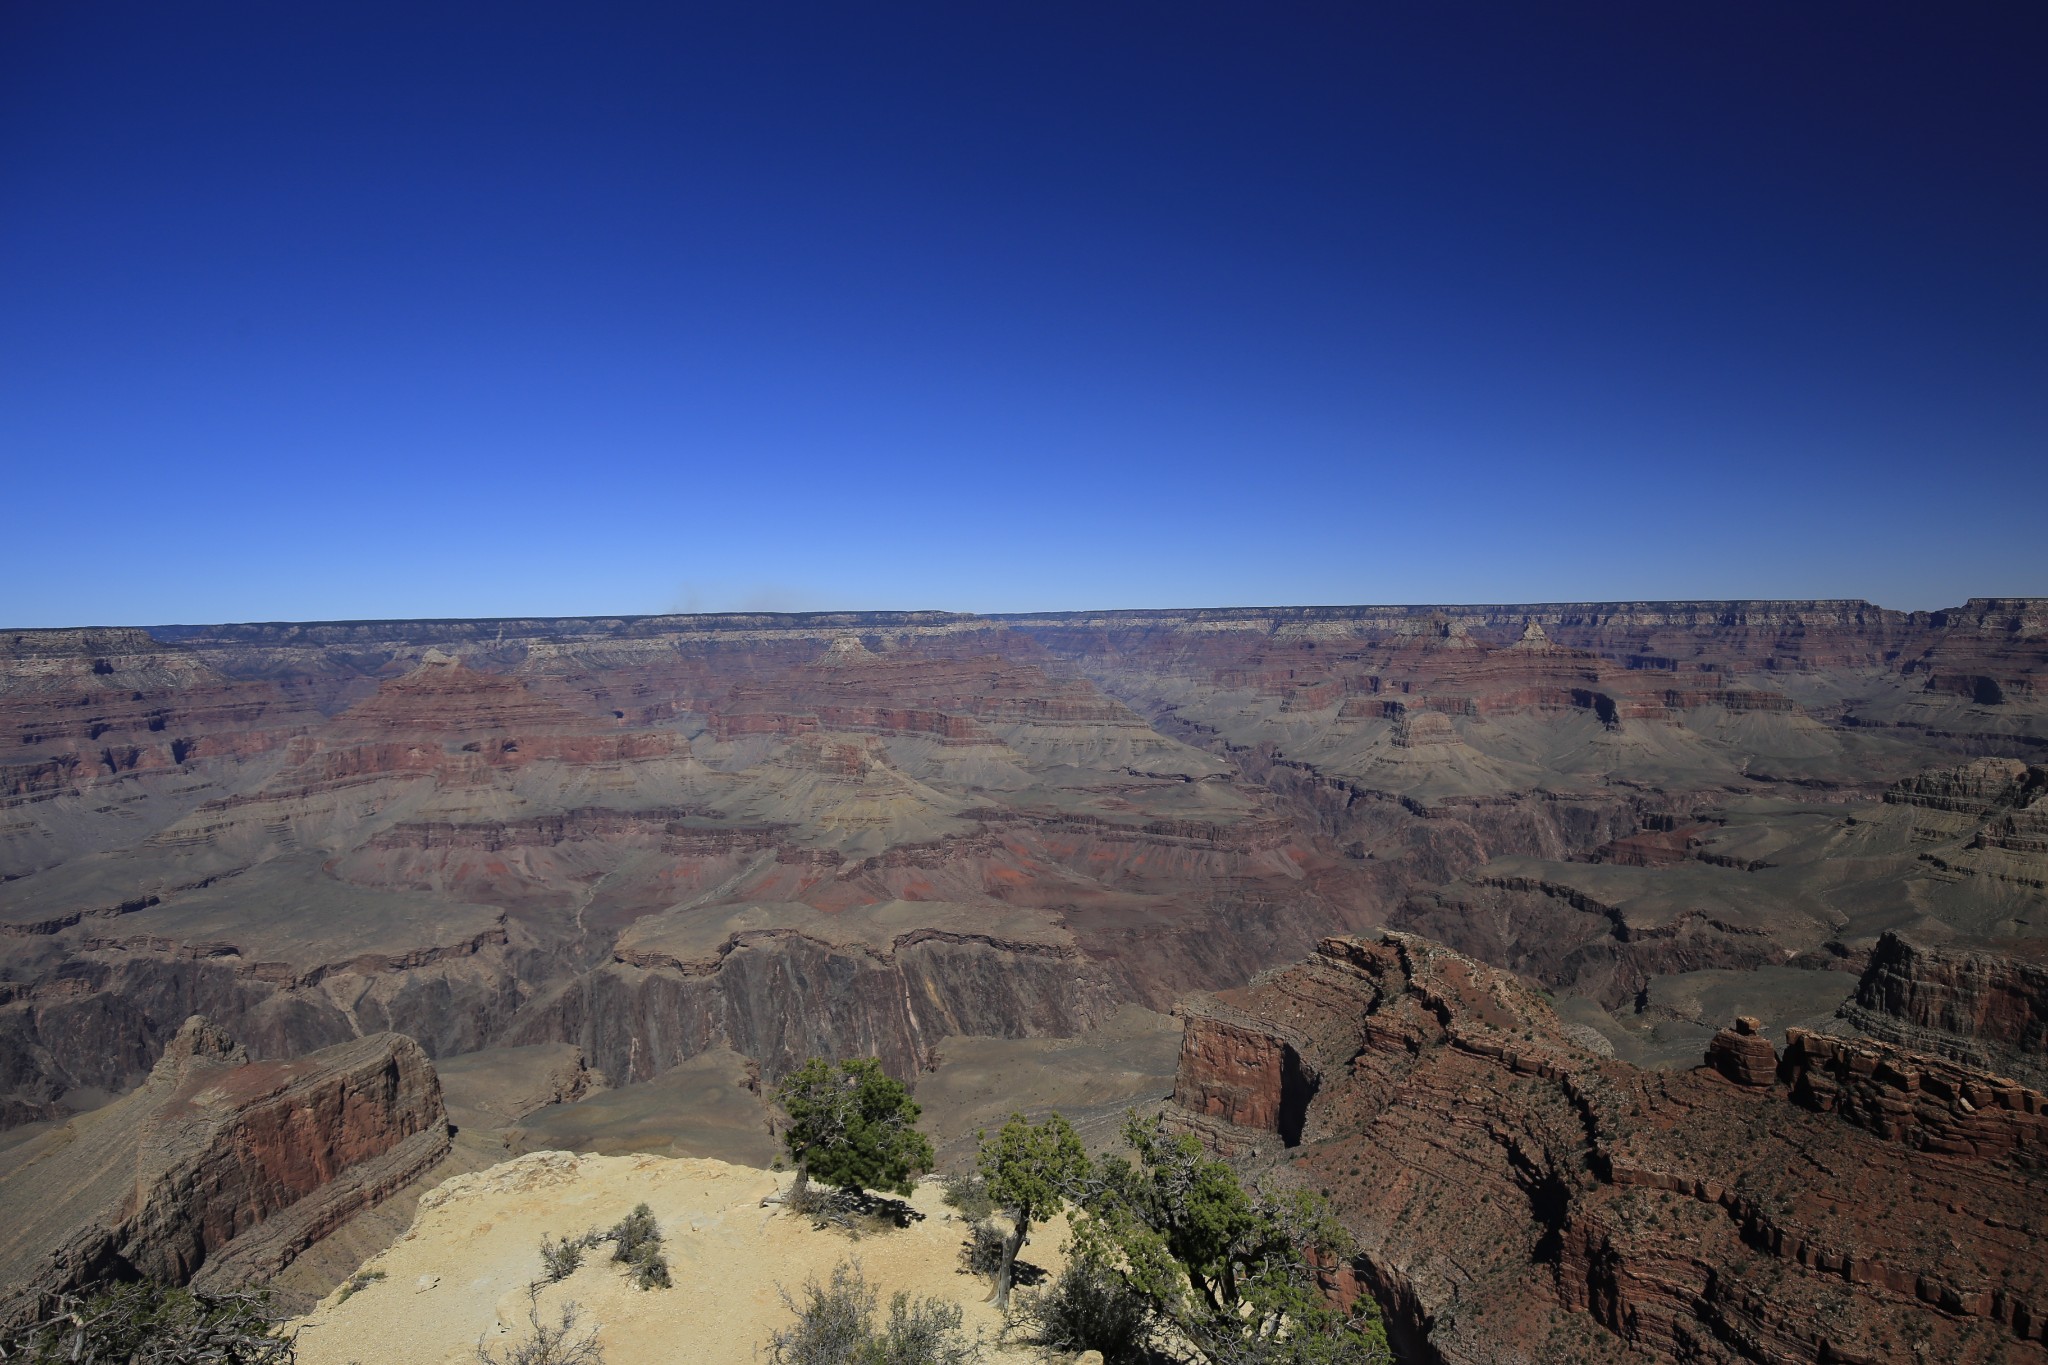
x,y
619,873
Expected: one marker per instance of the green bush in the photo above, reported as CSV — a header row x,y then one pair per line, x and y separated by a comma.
x,y
833,1322
649,1268
921,1332
362,1280
1088,1308
560,1260
636,1240
982,1252
1231,1271
636,1230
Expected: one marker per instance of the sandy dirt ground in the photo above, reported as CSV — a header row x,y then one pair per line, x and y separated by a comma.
x,y
460,1275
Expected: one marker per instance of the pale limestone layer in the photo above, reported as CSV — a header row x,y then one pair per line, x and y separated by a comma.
x,y
461,1273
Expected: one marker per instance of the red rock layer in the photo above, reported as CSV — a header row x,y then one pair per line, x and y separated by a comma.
x,y
1978,1005
1515,1195
1743,1054
218,1167
1245,1074
88,707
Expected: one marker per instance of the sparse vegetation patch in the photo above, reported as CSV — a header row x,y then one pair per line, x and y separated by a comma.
x,y
1089,1307
152,1324
636,1241
357,1283
561,1259
982,1252
565,1341
967,1194
836,1325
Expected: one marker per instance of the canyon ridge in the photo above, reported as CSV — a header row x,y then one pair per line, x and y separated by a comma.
x,y
492,887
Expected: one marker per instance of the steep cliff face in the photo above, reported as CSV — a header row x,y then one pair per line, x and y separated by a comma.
x,y
1924,1102
1245,1072
1978,1005
481,833
217,1170
1515,1194
780,997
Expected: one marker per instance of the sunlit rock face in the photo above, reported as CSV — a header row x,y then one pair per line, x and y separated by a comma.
x,y
650,837
1509,1187
216,1170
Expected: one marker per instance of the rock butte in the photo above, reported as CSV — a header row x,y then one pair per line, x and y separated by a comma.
x,y
1510,1190
610,865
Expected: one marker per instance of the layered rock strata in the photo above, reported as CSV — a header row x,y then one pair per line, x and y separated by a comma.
x,y
1742,1054
1977,1005
496,833
1517,1196
217,1170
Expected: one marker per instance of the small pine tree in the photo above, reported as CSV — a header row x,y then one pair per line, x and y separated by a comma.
x,y
1233,1272
851,1126
1029,1170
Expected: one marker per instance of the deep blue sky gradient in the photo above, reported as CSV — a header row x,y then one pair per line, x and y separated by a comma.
x,y
336,310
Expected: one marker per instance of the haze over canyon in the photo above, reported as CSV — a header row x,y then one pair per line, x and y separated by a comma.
x,y
605,876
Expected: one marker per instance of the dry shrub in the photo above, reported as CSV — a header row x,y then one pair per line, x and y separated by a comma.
x,y
835,1325
564,1342
1088,1308
152,1324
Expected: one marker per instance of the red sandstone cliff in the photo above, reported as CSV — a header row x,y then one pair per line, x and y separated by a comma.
x,y
1518,1197
456,830
1977,1005
217,1170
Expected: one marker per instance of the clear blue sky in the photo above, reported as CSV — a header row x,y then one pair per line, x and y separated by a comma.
x,y
352,309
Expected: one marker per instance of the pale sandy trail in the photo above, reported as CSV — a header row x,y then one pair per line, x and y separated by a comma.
x,y
461,1272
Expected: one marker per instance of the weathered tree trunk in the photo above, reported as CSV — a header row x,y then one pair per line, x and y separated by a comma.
x,y
1008,1269
799,1187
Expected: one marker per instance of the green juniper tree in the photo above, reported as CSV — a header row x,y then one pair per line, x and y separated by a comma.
x,y
852,1127
1232,1271
1029,1171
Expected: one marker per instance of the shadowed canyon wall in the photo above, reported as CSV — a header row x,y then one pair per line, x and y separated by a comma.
x,y
216,1169
866,832
1518,1196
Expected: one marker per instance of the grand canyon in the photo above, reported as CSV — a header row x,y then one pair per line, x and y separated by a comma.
x,y
1666,978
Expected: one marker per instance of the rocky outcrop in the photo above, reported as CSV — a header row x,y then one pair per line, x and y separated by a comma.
x,y
1572,941
781,997
99,1018
1742,1054
1244,1072
1515,1194
454,829
1976,1005
218,1170
1921,1101
1976,788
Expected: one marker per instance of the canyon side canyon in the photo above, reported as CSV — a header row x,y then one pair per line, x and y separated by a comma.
x,y
1452,904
